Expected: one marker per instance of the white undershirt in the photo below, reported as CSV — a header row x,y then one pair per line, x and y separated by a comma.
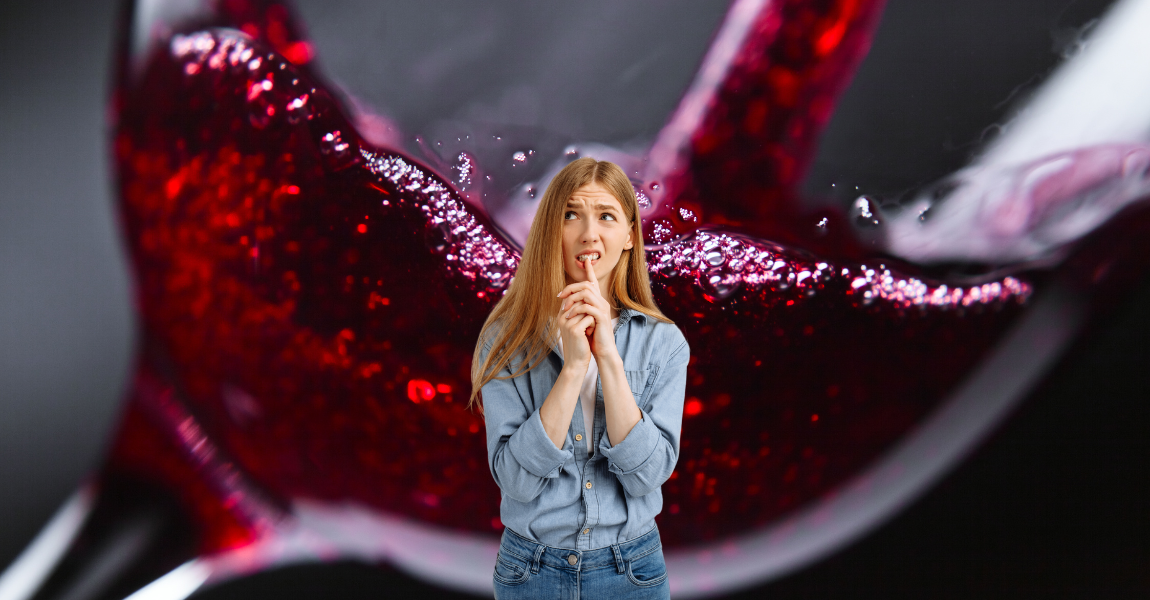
x,y
587,393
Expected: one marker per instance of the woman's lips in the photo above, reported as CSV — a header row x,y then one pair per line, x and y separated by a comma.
x,y
594,261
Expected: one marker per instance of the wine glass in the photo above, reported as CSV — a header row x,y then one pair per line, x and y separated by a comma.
x,y
275,221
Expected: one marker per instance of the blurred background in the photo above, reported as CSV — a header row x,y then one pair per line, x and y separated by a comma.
x,y
1052,504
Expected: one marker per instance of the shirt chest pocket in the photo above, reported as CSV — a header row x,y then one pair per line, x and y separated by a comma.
x,y
639,381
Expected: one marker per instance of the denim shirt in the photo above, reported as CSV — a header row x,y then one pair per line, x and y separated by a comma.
x,y
564,497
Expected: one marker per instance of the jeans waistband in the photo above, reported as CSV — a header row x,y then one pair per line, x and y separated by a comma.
x,y
614,555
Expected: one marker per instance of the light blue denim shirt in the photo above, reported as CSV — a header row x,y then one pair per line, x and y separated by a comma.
x,y
563,497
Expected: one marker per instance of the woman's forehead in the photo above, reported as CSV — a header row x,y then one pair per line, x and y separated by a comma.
x,y
595,196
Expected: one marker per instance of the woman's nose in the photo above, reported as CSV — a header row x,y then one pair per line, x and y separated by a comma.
x,y
590,233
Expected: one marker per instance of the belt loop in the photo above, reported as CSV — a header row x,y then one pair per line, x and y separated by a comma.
x,y
618,557
536,559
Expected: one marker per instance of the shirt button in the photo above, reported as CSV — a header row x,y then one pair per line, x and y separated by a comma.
x,y
586,531
588,485
578,437
572,559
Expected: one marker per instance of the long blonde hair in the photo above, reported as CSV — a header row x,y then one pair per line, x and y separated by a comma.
x,y
530,304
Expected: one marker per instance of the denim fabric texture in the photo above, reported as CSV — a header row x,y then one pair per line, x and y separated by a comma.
x,y
565,497
632,570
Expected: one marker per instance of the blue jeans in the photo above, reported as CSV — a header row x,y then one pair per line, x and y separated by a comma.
x,y
629,570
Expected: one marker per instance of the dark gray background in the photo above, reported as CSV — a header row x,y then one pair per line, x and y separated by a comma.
x,y
65,326
1052,506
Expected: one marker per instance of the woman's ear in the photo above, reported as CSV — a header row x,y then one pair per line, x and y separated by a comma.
x,y
630,240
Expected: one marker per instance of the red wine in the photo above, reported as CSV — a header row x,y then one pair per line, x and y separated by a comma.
x,y
739,161
315,302
310,302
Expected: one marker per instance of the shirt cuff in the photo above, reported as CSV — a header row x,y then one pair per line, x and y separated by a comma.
x,y
630,454
534,451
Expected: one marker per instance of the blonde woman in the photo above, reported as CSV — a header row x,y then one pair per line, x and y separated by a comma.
x,y
581,379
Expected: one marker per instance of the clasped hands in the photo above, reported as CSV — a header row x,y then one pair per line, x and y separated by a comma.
x,y
585,322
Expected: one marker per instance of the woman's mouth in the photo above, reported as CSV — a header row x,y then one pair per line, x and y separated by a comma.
x,y
592,256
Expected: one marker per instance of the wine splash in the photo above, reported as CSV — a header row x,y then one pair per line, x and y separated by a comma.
x,y
310,302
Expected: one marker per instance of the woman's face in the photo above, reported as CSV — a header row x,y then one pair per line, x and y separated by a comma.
x,y
594,224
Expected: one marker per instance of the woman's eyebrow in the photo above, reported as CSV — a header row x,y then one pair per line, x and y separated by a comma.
x,y
604,207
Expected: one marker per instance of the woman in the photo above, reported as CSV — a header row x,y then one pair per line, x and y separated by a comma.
x,y
581,380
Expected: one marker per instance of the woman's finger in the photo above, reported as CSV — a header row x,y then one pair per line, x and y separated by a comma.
x,y
592,281
582,324
587,309
590,300
589,273
587,296
573,322
568,302
571,318
572,325
570,312
574,287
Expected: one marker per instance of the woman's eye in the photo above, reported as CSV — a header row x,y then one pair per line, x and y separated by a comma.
x,y
569,215
608,216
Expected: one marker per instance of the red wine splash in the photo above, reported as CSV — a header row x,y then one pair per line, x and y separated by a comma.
x,y
310,302
741,143
283,260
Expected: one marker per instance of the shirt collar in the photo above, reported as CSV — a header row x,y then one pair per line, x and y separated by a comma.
x,y
626,314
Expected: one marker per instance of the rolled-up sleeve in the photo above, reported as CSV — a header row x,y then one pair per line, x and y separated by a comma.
x,y
521,456
647,456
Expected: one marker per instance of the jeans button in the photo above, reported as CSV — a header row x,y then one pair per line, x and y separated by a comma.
x,y
572,559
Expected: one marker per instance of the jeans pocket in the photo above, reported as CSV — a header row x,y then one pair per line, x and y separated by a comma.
x,y
648,569
510,568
